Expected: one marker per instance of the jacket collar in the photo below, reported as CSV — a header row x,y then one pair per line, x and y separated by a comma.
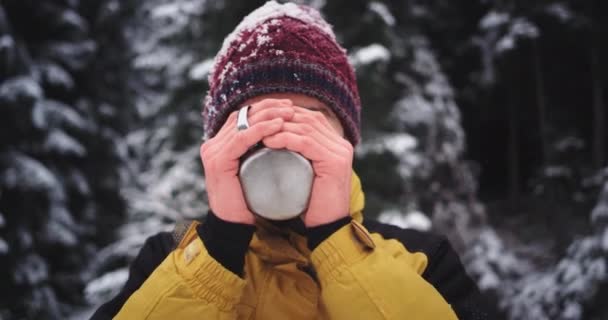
x,y
279,243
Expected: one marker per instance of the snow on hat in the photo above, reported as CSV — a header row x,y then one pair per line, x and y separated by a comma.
x,y
282,48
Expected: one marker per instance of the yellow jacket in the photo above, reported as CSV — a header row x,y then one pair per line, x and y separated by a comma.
x,y
357,275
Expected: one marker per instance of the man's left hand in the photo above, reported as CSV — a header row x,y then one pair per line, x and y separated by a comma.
x,y
310,134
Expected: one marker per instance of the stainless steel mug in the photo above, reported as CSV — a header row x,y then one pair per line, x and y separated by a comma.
x,y
276,183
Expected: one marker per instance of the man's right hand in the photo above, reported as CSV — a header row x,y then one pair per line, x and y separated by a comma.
x,y
220,156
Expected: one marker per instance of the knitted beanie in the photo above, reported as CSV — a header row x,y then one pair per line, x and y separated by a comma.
x,y
282,48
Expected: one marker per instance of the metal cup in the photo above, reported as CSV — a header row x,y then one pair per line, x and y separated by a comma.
x,y
276,183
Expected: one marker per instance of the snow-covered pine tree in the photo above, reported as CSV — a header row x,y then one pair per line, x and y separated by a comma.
x,y
173,44
62,114
411,159
542,254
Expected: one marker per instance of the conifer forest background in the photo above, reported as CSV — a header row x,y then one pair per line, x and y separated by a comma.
x,y
484,120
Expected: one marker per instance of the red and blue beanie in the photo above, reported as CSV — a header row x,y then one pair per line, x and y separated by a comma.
x,y
282,48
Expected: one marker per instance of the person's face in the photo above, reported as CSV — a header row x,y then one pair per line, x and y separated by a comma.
x,y
307,102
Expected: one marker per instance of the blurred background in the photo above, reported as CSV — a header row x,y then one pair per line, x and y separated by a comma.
x,y
484,120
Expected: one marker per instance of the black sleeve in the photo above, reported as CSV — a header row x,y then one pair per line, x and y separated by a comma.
x,y
318,234
447,274
154,251
226,242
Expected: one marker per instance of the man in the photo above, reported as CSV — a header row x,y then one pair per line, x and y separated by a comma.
x,y
283,67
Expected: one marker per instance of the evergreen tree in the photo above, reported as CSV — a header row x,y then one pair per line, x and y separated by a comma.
x,y
519,72
62,116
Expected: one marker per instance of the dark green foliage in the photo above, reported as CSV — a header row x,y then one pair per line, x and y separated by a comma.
x,y
63,67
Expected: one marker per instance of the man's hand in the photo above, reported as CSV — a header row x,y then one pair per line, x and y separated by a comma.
x,y
220,156
310,134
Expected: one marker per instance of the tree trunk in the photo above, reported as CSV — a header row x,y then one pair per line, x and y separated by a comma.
x,y
513,153
514,97
599,113
541,103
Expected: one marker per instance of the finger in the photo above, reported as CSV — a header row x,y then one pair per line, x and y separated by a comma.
x,y
217,144
305,129
318,121
228,125
230,122
264,104
269,113
313,123
241,141
225,133
266,109
268,103
318,115
305,145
